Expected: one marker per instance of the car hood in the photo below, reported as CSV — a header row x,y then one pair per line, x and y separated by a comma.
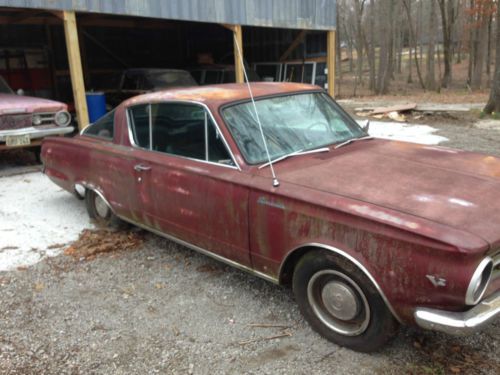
x,y
456,188
10,104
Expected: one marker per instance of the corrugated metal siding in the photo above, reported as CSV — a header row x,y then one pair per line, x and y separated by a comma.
x,y
299,14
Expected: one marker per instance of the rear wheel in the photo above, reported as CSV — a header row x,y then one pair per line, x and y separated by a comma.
x,y
341,303
99,210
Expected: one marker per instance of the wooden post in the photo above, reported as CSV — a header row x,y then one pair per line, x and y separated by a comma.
x,y
238,65
330,61
75,68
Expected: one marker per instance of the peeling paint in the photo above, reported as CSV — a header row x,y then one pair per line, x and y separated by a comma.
x,y
384,216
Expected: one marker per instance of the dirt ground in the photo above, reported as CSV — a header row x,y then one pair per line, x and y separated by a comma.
x,y
134,303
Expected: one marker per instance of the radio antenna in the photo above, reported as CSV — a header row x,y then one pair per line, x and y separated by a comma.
x,y
276,183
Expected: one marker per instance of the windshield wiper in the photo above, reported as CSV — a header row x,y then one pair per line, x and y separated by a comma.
x,y
295,153
352,140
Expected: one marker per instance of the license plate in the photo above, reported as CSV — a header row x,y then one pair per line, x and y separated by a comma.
x,y
17,140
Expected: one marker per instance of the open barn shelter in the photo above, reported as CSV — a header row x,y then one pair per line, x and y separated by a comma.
x,y
62,49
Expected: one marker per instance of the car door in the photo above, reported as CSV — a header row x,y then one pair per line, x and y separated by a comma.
x,y
188,183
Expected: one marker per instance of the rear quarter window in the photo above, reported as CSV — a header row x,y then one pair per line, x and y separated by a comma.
x,y
103,128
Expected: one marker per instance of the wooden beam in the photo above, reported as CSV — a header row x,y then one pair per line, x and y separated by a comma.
x,y
330,61
75,68
227,26
23,17
31,21
296,42
238,53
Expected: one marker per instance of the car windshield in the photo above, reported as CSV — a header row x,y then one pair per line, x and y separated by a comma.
x,y
164,79
4,87
291,123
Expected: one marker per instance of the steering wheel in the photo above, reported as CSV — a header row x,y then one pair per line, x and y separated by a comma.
x,y
320,123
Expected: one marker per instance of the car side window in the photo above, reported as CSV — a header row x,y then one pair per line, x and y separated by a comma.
x,y
181,129
102,128
139,125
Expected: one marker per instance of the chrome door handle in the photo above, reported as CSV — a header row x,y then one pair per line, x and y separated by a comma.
x,y
142,167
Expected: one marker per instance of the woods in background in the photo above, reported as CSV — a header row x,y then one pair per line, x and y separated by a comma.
x,y
437,44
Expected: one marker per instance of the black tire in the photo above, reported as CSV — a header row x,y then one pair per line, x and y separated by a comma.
x,y
99,211
324,282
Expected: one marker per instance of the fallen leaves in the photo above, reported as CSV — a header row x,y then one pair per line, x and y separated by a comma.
x,y
453,359
98,241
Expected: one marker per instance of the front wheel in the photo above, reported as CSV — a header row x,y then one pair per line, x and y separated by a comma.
x,y
341,303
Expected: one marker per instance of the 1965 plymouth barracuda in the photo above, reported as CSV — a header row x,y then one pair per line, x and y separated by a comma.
x,y
369,233
25,120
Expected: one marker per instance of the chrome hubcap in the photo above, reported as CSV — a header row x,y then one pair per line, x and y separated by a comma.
x,y
338,302
101,207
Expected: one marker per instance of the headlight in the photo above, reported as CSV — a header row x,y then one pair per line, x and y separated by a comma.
x,y
62,118
37,120
479,281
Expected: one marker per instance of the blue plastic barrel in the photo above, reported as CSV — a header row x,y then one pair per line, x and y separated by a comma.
x,y
96,103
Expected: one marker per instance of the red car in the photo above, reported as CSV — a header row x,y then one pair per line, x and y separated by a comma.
x,y
24,120
369,233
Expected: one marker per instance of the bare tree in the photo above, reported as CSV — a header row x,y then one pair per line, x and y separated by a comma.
x,y
370,45
493,104
449,12
482,11
359,6
410,61
413,41
431,50
386,10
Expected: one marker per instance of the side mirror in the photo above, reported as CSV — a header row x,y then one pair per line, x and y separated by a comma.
x,y
20,92
366,126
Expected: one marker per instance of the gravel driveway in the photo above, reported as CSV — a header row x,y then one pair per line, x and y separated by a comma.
x,y
160,308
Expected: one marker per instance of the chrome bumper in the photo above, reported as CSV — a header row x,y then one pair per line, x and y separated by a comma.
x,y
35,133
460,323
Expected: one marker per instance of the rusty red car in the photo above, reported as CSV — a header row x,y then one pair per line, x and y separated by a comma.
x,y
369,233
25,120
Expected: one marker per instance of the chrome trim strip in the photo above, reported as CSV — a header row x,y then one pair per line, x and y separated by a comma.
x,y
132,142
203,251
460,323
206,135
351,259
476,277
35,133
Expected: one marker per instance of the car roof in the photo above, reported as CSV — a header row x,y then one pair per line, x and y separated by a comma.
x,y
220,94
